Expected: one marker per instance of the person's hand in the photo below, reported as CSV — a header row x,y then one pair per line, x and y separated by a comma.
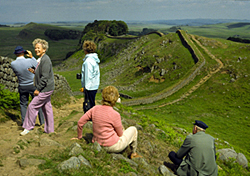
x,y
31,70
29,54
75,138
36,92
82,89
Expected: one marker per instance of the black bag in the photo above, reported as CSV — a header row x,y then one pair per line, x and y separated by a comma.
x,y
86,103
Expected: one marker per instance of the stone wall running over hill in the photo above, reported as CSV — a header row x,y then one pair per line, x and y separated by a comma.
x,y
200,62
9,78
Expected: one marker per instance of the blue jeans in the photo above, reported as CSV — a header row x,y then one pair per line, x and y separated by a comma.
x,y
24,92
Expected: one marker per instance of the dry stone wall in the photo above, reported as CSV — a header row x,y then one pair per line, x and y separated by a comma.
x,y
10,80
200,62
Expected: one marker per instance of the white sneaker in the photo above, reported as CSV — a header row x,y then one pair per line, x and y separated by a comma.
x,y
24,132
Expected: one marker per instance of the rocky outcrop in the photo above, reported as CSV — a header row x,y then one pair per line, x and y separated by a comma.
x,y
10,80
227,154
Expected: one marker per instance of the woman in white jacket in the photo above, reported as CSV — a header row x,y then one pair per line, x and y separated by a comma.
x,y
90,75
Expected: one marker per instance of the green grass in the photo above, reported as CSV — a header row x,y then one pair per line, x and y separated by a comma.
x,y
218,30
10,38
222,104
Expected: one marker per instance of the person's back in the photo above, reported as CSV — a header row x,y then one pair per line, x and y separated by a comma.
x,y
25,79
201,156
20,67
197,153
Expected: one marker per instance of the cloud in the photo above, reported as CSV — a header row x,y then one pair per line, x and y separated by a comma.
x,y
82,10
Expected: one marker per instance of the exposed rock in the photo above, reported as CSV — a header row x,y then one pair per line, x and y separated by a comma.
x,y
242,160
49,142
164,171
96,146
225,154
84,161
76,149
72,163
121,157
30,162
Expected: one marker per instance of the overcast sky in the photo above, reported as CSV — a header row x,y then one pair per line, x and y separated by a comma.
x,y
126,10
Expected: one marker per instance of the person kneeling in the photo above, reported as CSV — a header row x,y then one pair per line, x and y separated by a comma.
x,y
107,126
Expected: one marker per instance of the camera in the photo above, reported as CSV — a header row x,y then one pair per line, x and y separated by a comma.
x,y
32,68
78,76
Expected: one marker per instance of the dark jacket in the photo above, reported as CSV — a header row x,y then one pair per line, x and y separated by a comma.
x,y
199,152
44,76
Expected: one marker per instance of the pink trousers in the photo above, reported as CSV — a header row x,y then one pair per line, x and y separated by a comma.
x,y
43,101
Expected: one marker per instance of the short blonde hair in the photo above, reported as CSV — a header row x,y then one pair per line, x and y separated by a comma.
x,y
44,43
110,95
89,46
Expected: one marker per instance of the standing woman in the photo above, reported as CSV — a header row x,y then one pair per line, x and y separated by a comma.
x,y
44,83
90,75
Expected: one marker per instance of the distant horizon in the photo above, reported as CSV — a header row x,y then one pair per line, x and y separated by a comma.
x,y
130,21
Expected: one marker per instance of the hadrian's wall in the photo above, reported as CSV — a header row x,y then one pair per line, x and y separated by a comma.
x,y
9,79
200,62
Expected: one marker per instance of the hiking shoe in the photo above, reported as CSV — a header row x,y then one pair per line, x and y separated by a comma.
x,y
135,155
24,132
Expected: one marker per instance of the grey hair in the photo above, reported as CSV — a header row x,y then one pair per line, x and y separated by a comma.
x,y
200,129
44,43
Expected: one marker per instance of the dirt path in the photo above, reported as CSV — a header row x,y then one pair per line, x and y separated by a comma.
x,y
10,138
203,80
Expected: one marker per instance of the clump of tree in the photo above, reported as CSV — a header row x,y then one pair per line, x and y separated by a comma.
x,y
1,25
56,34
98,29
146,31
237,39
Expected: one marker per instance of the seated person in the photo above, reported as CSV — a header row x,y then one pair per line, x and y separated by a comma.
x,y
199,152
107,126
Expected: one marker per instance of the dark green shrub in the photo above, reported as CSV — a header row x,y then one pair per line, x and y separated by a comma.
x,y
9,100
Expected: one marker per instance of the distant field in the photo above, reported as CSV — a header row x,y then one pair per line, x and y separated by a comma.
x,y
224,30
139,26
10,38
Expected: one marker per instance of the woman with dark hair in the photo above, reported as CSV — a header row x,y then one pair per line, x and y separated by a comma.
x,y
90,75
107,126
44,83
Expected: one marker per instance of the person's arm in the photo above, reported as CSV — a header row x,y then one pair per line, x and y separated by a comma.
x,y
186,146
118,126
45,65
83,120
214,150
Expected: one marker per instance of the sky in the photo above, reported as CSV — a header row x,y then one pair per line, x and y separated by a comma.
x,y
18,11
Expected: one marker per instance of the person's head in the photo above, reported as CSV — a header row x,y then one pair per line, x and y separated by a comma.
x,y
19,51
110,95
199,126
89,47
41,46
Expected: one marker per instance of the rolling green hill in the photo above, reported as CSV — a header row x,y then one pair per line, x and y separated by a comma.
x,y
13,36
151,66
223,30
222,101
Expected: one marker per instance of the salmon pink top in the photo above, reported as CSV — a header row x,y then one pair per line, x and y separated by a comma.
x,y
107,125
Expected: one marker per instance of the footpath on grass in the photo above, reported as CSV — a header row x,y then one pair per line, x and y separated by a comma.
x,y
201,62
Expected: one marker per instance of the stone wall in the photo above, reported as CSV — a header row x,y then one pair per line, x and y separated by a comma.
x,y
9,79
200,62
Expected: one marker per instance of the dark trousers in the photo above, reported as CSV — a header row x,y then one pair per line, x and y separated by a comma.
x,y
172,156
24,92
89,96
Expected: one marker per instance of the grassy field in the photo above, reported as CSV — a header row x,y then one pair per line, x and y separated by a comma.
x,y
222,104
11,37
219,30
